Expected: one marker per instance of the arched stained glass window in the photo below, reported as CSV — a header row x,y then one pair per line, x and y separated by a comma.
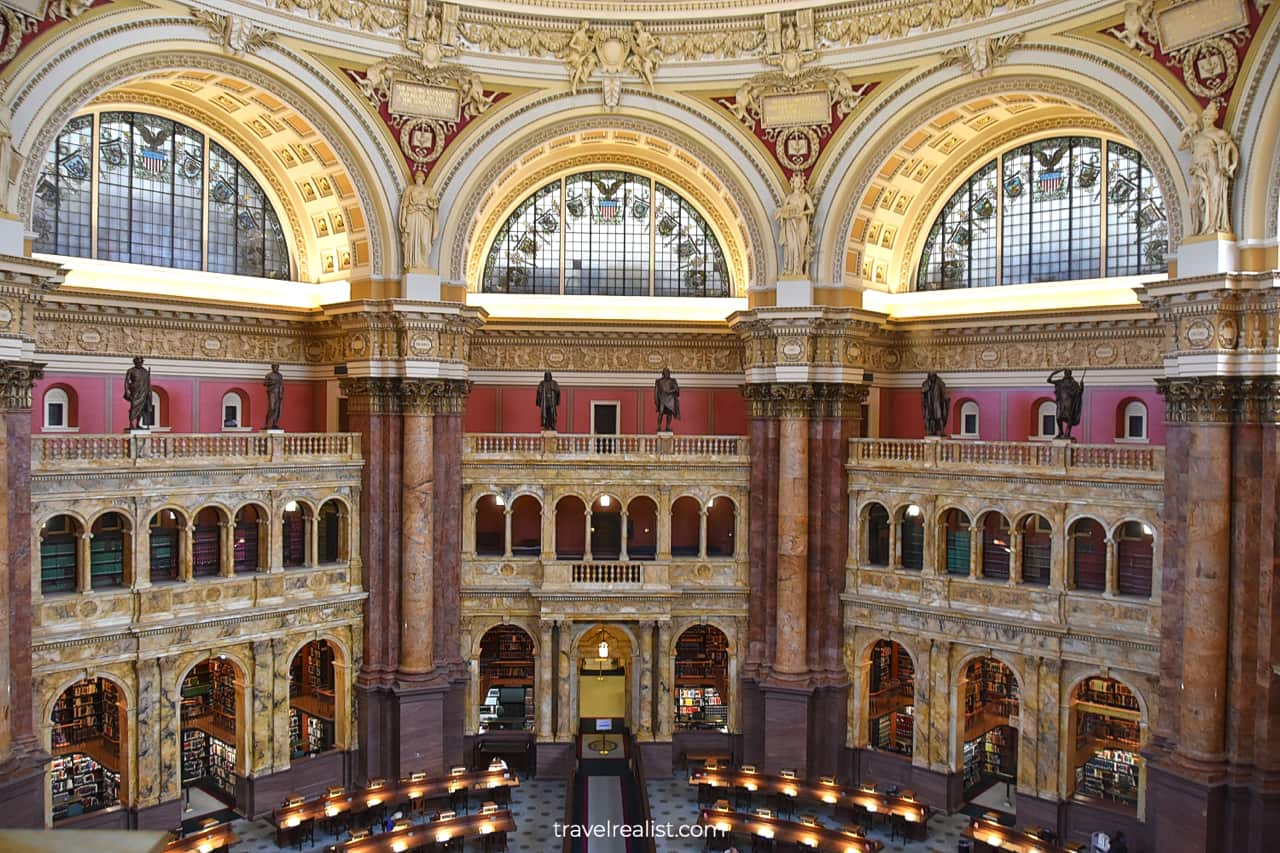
x,y
606,233
149,180
1038,213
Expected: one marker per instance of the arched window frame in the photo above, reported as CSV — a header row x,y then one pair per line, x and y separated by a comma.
x,y
59,406
100,195
1134,409
970,420
660,232
1046,419
988,232
233,399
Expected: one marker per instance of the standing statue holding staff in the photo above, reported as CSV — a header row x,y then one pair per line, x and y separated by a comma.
x,y
666,398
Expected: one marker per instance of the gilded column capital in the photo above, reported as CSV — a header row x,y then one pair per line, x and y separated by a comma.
x,y
1220,399
371,395
433,396
17,378
803,399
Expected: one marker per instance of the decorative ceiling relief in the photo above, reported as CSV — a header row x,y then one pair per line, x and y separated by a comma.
x,y
236,34
1201,42
981,56
424,106
19,26
692,38
615,52
794,110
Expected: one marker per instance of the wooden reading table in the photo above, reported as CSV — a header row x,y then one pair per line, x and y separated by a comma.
x,y
847,840
218,837
289,819
828,792
999,837
419,835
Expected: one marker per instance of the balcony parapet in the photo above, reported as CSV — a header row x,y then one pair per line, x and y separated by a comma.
x,y
57,453
532,447
1057,459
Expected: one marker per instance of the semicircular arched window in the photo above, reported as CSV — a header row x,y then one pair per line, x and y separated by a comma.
x,y
150,180
606,233
1040,211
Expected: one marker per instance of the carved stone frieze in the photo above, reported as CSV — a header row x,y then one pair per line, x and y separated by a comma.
x,y
612,350
827,337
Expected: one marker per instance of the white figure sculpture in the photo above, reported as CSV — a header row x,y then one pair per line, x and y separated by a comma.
x,y
793,218
580,55
1214,160
418,213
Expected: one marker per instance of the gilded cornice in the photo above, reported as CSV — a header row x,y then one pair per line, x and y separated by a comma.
x,y
1221,316
805,338
382,332
691,30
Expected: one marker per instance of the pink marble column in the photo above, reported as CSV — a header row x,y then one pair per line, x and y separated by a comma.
x,y
417,545
790,656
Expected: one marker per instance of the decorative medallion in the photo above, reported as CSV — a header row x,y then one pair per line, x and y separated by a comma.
x,y
1199,333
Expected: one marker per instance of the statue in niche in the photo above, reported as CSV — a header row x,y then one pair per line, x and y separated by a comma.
x,y
1214,160
1068,395
418,211
548,400
666,399
793,218
274,384
137,390
936,404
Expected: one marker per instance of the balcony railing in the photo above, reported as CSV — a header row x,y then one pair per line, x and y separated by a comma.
x,y
1037,457
580,446
62,452
610,573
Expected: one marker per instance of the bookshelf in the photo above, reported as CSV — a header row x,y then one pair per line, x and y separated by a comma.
x,y
222,766
990,691
206,557
106,559
57,563
700,708
245,549
81,784
194,748
87,711
294,541
990,756
702,678
958,542
311,700
1111,774
164,553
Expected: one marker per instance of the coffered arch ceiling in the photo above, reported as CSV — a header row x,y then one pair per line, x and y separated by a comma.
x,y
881,209
312,147
313,193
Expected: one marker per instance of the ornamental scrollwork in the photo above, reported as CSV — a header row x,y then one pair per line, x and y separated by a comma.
x,y
236,34
981,56
613,52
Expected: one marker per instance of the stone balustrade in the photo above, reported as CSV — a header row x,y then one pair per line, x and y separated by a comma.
x,y
62,452
482,447
1041,458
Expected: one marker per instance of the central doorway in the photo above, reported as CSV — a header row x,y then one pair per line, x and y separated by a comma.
x,y
604,689
604,423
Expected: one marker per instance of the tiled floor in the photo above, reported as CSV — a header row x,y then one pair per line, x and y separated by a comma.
x,y
538,804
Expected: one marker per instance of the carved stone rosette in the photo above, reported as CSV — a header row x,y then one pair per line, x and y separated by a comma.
x,y
16,381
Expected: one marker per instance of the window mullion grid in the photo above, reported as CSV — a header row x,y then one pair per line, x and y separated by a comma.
x,y
207,182
653,243
564,229
1105,174
95,175
999,271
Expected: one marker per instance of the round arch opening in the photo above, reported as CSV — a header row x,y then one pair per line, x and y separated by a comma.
x,y
506,680
891,698
702,679
988,698
89,744
313,700
1107,729
213,736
